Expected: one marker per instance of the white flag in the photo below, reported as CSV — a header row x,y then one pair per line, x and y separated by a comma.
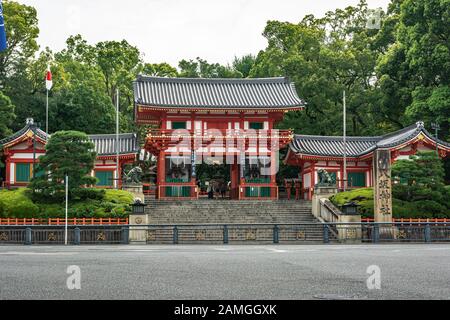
x,y
48,79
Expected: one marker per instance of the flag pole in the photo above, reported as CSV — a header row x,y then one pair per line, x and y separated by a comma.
x,y
117,139
67,209
345,143
48,86
46,115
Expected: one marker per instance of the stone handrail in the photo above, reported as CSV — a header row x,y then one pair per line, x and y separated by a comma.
x,y
328,211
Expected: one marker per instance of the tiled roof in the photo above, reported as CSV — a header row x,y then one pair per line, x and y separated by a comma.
x,y
269,93
333,146
30,126
105,144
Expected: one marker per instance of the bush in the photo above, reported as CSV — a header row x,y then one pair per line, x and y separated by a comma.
x,y
401,209
89,193
17,204
92,203
119,196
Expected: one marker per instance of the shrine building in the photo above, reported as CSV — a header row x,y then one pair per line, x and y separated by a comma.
x,y
23,149
313,153
215,121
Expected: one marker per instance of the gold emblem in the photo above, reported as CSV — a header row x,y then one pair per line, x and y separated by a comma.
x,y
250,234
138,220
151,235
200,235
3,236
402,234
301,235
420,137
351,233
101,236
51,236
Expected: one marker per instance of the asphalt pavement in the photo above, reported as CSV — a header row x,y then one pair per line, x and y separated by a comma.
x,y
396,271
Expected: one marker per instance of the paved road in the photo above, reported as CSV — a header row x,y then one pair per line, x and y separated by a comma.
x,y
225,272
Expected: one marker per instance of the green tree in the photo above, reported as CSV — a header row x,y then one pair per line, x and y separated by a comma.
x,y
22,30
415,72
118,64
200,68
324,57
67,153
7,115
421,178
159,70
244,64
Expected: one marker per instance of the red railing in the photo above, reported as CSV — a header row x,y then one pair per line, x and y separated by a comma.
x,y
62,221
243,133
412,220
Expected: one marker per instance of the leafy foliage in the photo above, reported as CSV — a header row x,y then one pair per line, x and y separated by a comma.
x,y
419,192
19,204
6,115
421,179
67,153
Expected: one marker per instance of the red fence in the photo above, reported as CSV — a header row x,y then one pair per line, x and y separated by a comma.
x,y
411,220
62,221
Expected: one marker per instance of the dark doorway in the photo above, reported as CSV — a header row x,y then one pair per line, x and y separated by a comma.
x,y
215,178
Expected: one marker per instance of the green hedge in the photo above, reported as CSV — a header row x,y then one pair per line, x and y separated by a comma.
x,y
18,204
401,209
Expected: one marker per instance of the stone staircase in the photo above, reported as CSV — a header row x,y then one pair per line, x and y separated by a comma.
x,y
229,212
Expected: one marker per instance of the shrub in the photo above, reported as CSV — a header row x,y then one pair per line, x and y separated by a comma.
x,y
17,204
119,196
89,193
422,208
363,197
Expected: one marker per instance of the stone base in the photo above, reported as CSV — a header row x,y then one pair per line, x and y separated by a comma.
x,y
350,233
137,191
320,193
138,230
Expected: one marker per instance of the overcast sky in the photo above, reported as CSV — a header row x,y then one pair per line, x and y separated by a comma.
x,y
171,30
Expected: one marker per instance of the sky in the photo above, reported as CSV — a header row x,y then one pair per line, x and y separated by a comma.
x,y
171,30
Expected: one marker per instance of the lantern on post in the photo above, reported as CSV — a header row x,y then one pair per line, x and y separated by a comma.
x,y
138,207
350,208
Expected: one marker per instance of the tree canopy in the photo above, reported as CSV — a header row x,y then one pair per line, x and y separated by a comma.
x,y
393,65
67,153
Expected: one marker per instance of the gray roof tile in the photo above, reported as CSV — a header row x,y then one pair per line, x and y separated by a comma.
x,y
105,144
333,146
275,93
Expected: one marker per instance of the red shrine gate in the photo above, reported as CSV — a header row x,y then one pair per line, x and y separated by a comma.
x,y
227,121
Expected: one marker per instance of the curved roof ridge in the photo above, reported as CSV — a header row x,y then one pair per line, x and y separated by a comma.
x,y
318,137
217,93
143,77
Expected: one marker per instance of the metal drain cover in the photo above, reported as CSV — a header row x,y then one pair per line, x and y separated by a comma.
x,y
332,296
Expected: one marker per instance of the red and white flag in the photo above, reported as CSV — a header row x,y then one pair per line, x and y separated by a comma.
x,y
48,79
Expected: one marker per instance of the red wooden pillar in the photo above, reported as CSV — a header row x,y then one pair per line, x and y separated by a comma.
x,y
234,176
160,173
297,189
313,180
273,174
288,186
8,172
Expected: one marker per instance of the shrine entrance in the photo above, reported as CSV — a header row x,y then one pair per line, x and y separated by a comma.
x,y
215,177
